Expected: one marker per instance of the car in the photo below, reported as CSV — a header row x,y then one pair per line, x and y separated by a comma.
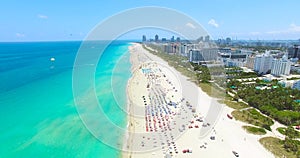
x,y
235,153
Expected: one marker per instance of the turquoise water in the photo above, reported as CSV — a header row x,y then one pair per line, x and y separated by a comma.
x,y
37,113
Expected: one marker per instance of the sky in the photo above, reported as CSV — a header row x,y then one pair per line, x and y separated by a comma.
x,y
60,20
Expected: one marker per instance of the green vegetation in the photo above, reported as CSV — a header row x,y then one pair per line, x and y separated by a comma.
x,y
237,73
255,130
290,144
253,117
290,132
233,104
212,90
279,147
247,75
293,78
273,100
281,130
203,73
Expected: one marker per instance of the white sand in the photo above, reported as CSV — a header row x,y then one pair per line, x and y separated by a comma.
x,y
229,134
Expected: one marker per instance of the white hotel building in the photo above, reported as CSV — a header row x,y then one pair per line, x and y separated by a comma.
x,y
281,66
263,63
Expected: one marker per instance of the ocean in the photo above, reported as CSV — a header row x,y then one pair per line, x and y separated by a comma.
x,y
38,116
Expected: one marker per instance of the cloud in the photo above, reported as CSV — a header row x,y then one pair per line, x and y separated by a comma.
x,y
42,16
20,35
190,25
213,23
293,28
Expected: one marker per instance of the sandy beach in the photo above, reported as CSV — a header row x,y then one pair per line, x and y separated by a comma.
x,y
169,116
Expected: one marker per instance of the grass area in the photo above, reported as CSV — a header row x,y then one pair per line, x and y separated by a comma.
x,y
255,130
276,146
242,75
252,116
282,131
188,73
293,78
212,90
233,104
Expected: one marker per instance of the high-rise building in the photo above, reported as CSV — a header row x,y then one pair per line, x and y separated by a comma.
x,y
172,39
178,39
195,56
206,39
202,55
183,50
294,52
156,38
232,57
200,39
263,63
144,38
167,48
250,62
176,48
281,66
210,54
171,48
228,40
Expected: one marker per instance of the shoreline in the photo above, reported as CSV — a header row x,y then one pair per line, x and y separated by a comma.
x,y
229,135
128,140
129,126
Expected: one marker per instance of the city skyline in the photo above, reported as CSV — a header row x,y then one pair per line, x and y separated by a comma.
x,y
39,21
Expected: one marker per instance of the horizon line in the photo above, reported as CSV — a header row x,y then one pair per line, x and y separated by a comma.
x,y
135,40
